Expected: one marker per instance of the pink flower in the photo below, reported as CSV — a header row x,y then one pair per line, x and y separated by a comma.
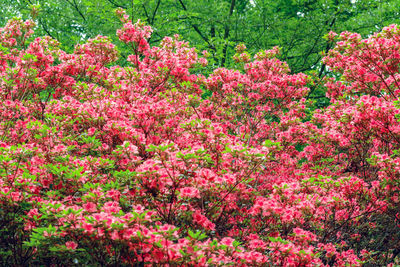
x,y
203,220
33,212
71,245
88,227
114,194
111,207
227,241
90,207
190,192
91,131
16,196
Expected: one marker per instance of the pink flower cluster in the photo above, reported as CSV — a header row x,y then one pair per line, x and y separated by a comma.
x,y
134,165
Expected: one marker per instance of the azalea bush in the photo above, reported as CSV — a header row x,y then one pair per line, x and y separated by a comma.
x,y
156,164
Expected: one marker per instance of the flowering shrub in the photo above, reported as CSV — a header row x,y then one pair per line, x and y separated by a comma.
x,y
151,164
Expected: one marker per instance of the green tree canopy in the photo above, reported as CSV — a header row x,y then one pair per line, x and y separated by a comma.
x,y
297,26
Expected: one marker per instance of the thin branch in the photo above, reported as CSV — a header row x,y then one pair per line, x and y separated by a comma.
x,y
155,12
75,6
226,33
116,4
44,26
196,28
146,13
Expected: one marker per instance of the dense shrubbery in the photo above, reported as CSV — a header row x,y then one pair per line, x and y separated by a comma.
x,y
152,165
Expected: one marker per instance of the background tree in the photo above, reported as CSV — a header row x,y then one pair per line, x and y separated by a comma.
x,y
297,26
